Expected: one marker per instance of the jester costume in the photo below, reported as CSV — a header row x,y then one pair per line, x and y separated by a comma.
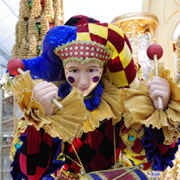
x,y
88,135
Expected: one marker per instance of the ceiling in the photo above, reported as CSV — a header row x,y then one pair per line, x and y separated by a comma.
x,y
103,10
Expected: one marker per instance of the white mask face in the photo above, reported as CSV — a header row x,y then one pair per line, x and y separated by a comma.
x,y
84,77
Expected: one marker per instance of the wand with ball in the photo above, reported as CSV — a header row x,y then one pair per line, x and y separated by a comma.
x,y
155,52
16,67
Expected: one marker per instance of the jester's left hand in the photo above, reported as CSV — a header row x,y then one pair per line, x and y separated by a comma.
x,y
159,87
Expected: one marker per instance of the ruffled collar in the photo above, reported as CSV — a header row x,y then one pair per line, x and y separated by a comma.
x,y
109,106
91,102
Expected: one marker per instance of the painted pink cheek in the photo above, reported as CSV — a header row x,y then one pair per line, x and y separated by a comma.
x,y
95,79
71,79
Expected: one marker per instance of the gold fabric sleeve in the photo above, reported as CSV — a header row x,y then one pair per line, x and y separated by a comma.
x,y
74,119
139,109
66,124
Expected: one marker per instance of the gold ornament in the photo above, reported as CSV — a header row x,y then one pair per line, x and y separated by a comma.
x,y
23,49
36,9
22,30
49,10
58,10
32,29
32,51
44,27
24,10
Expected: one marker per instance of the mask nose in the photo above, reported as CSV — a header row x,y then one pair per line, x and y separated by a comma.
x,y
84,79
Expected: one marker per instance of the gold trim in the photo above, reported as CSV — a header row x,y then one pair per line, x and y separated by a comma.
x,y
137,23
136,16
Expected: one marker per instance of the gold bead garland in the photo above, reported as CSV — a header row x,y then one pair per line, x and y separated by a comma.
x,y
35,21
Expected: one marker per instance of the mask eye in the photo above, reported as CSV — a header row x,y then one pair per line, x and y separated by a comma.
x,y
74,70
92,70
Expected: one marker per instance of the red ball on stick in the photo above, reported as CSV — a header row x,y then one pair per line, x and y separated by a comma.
x,y
155,52
154,49
13,66
16,67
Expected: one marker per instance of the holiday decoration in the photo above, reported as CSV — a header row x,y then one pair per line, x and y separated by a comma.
x,y
58,13
32,29
32,52
36,17
44,26
24,11
49,10
36,9
22,30
23,49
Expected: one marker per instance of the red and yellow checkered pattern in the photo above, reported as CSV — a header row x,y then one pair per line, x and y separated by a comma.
x,y
120,70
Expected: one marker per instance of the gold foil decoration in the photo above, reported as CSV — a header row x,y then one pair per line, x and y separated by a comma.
x,y
32,29
36,9
32,51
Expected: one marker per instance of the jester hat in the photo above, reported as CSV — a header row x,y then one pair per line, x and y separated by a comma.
x,y
86,40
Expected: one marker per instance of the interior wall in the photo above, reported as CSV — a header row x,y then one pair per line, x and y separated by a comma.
x,y
168,14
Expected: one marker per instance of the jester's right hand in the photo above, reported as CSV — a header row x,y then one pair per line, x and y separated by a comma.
x,y
44,92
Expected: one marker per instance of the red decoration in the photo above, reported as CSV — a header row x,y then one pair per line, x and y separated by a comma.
x,y
42,4
154,49
51,26
13,65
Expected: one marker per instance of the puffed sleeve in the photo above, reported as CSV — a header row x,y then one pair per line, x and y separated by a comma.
x,y
139,109
151,136
65,124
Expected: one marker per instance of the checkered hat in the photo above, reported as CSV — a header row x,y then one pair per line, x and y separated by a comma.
x,y
99,42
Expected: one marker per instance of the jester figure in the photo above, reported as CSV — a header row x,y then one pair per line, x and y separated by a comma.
x,y
108,113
